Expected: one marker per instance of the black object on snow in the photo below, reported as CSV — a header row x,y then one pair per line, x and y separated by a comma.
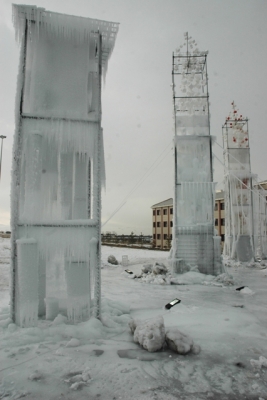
x,y
240,288
128,271
172,303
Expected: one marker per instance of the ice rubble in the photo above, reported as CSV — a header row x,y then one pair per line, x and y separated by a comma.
x,y
159,274
258,364
152,336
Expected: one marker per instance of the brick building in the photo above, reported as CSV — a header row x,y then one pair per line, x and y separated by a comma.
x,y
162,214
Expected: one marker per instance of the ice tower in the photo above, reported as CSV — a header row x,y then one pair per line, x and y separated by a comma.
x,y
194,240
58,164
245,200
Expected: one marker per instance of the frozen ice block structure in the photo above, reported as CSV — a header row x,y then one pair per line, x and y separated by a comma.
x,y
245,200
58,167
194,240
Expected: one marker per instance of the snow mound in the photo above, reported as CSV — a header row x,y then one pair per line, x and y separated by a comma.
x,y
191,278
221,280
246,290
60,319
156,274
149,334
180,342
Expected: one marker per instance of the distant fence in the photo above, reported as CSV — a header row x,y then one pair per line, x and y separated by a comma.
x,y
140,240
6,234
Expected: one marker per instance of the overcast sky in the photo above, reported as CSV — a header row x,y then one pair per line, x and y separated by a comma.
x,y
137,97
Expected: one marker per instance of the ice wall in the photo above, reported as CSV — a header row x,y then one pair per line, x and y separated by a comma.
x,y
58,165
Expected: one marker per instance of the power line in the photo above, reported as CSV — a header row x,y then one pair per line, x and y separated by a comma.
x,y
152,167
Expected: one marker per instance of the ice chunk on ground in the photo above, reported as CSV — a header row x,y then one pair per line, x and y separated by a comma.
x,y
77,385
180,342
150,334
159,269
147,268
262,362
112,260
36,376
73,343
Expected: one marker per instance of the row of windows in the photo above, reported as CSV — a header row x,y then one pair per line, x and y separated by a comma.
x,y
165,224
165,211
165,237
221,206
222,222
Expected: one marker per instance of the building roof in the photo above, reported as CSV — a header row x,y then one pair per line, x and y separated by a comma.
x,y
165,203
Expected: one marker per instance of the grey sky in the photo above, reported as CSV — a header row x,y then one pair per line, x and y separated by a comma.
x,y
137,97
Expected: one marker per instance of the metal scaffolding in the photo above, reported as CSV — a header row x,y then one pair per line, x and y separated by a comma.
x,y
245,199
194,240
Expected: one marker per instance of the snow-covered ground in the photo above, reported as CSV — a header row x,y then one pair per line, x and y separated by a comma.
x,y
93,361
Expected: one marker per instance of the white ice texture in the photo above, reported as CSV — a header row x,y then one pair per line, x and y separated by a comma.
x,y
180,342
58,167
150,334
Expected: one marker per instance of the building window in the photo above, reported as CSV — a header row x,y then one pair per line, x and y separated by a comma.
x,y
158,236
222,238
158,212
158,224
245,183
165,224
154,224
154,212
165,236
216,207
222,206
216,222
165,211
171,236
154,236
222,222
171,224
171,210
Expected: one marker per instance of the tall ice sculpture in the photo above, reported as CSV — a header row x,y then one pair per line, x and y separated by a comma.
x,y
194,239
58,165
245,198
